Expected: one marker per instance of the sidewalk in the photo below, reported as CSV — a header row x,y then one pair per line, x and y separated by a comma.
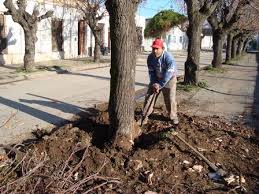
x,y
13,73
233,94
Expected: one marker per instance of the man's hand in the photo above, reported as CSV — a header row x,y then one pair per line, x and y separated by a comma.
x,y
156,88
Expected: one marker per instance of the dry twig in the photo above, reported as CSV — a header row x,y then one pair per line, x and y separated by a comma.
x,y
9,118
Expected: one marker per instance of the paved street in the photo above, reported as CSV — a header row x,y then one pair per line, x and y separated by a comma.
x,y
45,101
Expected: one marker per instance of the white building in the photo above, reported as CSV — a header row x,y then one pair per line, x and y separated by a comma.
x,y
206,41
65,35
176,39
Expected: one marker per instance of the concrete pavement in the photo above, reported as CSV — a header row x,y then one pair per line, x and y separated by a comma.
x,y
44,100
232,94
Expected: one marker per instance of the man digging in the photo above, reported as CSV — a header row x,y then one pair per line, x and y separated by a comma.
x,y
162,73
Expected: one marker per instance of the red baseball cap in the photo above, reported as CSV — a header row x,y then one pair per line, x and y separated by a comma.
x,y
158,43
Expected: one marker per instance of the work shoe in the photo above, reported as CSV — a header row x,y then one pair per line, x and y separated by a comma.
x,y
175,121
144,121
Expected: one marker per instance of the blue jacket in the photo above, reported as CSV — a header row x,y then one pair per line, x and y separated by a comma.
x,y
161,69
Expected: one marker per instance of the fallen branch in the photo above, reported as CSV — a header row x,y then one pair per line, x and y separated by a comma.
x,y
69,158
13,169
94,176
102,184
24,178
78,165
9,118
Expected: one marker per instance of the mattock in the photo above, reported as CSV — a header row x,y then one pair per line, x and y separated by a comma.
x,y
219,171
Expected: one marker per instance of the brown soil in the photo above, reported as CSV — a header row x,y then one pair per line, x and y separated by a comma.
x,y
77,158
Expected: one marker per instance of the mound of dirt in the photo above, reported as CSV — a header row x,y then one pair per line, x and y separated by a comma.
x,y
77,158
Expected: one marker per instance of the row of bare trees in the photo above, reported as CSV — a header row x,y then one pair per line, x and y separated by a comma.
x,y
234,19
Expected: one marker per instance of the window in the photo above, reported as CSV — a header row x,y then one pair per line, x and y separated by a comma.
x,y
174,39
57,38
169,38
181,39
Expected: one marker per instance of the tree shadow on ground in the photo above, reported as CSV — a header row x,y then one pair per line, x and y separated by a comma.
x,y
47,117
225,93
146,140
53,103
231,78
60,70
238,65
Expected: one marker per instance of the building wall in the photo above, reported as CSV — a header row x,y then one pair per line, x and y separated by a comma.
x,y
43,47
175,39
141,22
207,42
69,16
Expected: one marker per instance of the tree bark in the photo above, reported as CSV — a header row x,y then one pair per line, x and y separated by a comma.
x,y
245,45
29,55
217,49
123,63
233,48
197,14
29,24
97,52
97,55
194,40
240,46
229,46
97,43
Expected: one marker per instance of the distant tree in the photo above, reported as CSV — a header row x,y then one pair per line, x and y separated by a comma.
x,y
162,22
222,20
198,11
247,26
29,23
139,38
93,11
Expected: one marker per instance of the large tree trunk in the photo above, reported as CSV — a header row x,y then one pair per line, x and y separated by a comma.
x,y
240,46
217,49
229,46
29,24
97,52
123,63
233,48
245,45
192,63
29,55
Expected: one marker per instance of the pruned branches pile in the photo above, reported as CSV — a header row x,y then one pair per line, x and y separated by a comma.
x,y
29,171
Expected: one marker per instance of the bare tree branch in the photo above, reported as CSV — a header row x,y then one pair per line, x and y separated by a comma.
x,y
46,15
